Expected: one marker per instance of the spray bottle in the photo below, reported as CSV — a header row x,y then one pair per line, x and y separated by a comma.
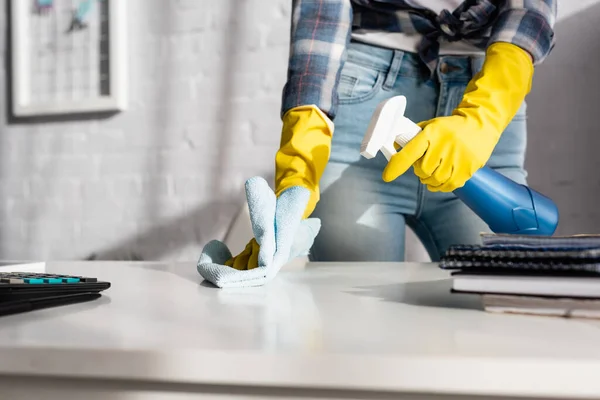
x,y
506,206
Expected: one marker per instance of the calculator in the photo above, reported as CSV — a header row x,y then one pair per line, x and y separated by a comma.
x,y
27,291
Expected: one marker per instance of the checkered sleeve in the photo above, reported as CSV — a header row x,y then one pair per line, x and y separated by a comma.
x,y
320,31
528,24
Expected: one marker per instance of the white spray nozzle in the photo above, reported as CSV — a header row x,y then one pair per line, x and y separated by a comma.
x,y
388,125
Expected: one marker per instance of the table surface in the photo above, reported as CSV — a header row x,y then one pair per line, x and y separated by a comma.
x,y
362,326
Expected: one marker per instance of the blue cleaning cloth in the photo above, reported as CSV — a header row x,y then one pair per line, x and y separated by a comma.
x,y
279,230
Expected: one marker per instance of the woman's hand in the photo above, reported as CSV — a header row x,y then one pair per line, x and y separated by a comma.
x,y
446,153
300,162
449,150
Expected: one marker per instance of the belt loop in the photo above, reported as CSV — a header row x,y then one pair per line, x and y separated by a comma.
x,y
394,69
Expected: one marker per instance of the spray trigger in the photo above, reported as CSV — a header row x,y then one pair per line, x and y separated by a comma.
x,y
388,125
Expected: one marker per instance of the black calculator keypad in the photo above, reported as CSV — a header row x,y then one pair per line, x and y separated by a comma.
x,y
38,278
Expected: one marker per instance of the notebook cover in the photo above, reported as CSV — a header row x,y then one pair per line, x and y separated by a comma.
x,y
515,258
571,241
520,267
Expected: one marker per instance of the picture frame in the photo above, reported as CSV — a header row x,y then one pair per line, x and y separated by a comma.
x,y
68,57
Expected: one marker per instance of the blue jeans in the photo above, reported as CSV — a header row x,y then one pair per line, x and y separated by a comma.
x,y
363,217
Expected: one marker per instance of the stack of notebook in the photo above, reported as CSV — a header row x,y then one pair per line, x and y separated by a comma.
x,y
530,275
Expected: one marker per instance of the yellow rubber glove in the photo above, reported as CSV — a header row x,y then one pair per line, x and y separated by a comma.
x,y
304,152
300,161
449,150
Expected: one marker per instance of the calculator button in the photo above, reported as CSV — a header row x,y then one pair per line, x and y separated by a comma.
x,y
33,280
11,280
53,280
41,278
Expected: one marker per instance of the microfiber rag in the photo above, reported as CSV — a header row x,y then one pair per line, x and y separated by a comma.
x,y
278,229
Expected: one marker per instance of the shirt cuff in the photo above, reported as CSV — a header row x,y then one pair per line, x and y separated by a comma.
x,y
309,90
527,29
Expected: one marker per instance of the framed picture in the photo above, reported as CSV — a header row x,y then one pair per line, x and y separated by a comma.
x,y
68,56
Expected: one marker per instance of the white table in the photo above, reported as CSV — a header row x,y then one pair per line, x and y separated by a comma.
x,y
360,331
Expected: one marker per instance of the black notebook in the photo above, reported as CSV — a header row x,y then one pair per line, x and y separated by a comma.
x,y
515,259
567,266
578,254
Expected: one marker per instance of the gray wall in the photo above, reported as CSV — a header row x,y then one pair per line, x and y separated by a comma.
x,y
205,78
563,122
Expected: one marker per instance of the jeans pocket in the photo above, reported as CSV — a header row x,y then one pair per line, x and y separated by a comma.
x,y
358,83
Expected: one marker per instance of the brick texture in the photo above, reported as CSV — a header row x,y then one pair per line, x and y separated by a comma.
x,y
167,175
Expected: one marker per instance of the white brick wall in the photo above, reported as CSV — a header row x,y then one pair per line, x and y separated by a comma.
x,y
161,179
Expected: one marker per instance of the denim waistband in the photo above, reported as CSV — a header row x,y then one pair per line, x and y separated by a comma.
x,y
401,63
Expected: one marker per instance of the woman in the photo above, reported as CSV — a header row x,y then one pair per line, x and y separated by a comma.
x,y
465,74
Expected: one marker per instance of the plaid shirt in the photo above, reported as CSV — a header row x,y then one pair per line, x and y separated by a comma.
x,y
321,30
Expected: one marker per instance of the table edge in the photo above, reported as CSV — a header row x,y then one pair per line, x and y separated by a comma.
x,y
539,377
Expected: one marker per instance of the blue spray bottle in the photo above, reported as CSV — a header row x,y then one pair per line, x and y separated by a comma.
x,y
506,206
